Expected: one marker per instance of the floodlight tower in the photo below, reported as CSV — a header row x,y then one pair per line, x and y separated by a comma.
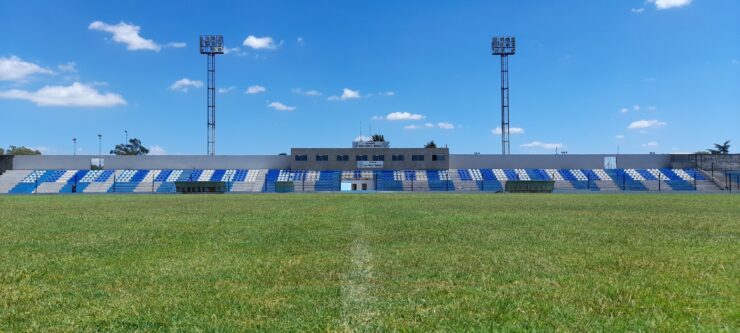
x,y
504,46
211,45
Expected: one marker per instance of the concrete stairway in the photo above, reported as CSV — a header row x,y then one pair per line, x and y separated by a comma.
x,y
99,187
10,178
50,187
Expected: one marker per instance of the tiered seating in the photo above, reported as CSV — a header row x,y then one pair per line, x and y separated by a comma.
x,y
439,180
554,174
218,175
193,176
499,175
237,176
464,174
627,179
676,182
162,181
328,181
270,178
29,183
163,175
386,181
602,175
578,179
511,174
537,174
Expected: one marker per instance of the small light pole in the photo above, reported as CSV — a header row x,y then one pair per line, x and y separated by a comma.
x,y
125,131
100,149
74,142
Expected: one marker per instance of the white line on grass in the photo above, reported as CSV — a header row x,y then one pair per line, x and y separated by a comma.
x,y
357,300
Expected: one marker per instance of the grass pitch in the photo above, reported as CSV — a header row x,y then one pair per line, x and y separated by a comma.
x,y
379,262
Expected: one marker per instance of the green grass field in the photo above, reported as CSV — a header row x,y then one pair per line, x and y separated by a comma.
x,y
376,262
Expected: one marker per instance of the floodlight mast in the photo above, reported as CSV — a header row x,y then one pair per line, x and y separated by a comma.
x,y
504,46
211,45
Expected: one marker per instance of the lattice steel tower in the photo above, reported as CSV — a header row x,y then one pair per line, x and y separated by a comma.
x,y
504,46
211,45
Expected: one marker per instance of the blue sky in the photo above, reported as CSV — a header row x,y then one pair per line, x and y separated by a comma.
x,y
589,76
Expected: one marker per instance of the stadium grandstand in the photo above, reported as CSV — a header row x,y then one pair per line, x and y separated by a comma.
x,y
368,168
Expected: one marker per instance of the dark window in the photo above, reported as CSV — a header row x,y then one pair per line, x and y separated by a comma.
x,y
397,157
361,158
322,157
301,157
342,158
417,157
436,157
378,157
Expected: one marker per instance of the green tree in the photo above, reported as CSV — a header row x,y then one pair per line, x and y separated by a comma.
x,y
377,138
430,144
22,150
720,149
133,147
2,151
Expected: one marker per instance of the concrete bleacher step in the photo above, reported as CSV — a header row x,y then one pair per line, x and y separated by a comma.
x,y
49,187
146,187
99,187
607,186
11,178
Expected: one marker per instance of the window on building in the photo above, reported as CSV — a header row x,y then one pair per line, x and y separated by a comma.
x,y
437,157
397,158
342,158
361,158
378,157
301,157
417,157
322,158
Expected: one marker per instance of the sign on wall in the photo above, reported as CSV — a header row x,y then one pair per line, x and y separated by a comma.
x,y
369,164
610,162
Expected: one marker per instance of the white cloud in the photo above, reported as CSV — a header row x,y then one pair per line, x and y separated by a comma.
x,y
642,124
624,110
256,89
69,67
259,43
395,116
226,90
411,127
346,95
619,136
377,118
126,34
387,93
636,108
300,91
157,150
177,45
445,125
281,107
15,69
512,130
234,50
429,125
667,4
637,10
300,41
650,144
184,84
543,145
77,94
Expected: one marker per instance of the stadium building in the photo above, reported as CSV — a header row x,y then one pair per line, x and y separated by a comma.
x,y
367,166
